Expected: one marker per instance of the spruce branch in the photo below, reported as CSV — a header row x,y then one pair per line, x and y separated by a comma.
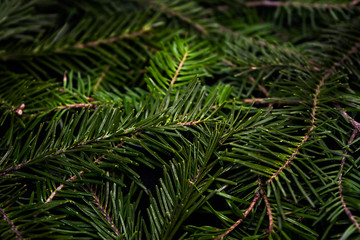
x,y
343,203
350,5
11,223
105,41
326,75
272,101
179,15
139,149
251,78
78,105
354,123
179,68
252,205
103,211
14,168
268,207
60,187
74,177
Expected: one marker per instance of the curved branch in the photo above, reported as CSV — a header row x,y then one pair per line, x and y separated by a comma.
x,y
343,203
254,201
327,74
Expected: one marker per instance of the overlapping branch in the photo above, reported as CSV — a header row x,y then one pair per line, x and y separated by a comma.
x,y
327,74
252,205
11,223
301,4
180,16
343,203
105,41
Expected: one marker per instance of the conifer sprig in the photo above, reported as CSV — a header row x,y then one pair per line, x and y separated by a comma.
x,y
179,119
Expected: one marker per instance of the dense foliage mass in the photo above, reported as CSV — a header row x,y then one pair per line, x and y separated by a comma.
x,y
169,119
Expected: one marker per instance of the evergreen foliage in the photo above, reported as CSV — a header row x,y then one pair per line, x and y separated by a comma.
x,y
169,119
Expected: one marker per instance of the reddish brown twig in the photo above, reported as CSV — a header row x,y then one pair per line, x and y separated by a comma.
x,y
272,101
313,110
52,195
188,123
105,41
14,168
254,201
354,123
299,4
268,207
261,87
343,203
179,68
104,212
11,223
77,105
74,177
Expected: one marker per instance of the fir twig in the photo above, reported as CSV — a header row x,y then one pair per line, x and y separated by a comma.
x,y
11,223
343,203
253,202
179,68
103,211
105,41
74,177
261,87
300,4
268,207
180,16
313,110
354,123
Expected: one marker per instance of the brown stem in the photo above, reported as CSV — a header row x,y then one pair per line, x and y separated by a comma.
x,y
179,68
11,223
74,177
105,41
254,201
355,124
261,87
268,207
77,105
343,203
313,110
188,123
14,168
103,212
272,101
52,195
299,4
